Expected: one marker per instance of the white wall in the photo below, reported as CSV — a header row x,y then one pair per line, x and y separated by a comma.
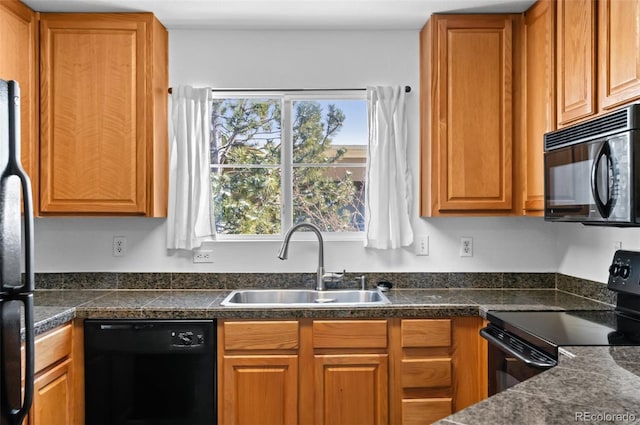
x,y
586,251
299,59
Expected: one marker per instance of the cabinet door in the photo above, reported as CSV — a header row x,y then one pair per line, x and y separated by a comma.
x,y
474,140
261,389
93,101
576,50
52,399
351,389
539,103
18,50
618,52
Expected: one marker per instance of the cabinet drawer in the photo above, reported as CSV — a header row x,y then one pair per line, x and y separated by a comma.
x,y
350,334
274,335
426,333
52,347
424,410
426,373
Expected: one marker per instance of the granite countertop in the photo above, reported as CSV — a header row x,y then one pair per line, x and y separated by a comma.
x,y
598,385
597,381
54,307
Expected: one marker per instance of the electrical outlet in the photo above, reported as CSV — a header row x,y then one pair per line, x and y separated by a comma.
x,y
203,256
466,246
422,245
119,246
617,245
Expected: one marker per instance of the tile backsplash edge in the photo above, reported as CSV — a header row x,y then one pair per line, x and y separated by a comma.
x,y
228,281
596,291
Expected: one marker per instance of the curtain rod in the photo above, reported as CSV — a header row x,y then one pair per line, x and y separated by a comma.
x,y
407,89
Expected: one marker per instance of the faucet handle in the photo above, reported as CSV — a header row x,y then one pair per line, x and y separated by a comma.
x,y
333,277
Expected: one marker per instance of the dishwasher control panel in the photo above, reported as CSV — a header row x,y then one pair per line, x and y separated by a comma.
x,y
186,339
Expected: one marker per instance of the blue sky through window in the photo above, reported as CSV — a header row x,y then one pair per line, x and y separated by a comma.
x,y
354,131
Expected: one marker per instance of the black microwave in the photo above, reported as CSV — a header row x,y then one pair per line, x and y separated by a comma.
x,y
591,170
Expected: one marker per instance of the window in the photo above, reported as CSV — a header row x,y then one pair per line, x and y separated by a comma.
x,y
281,159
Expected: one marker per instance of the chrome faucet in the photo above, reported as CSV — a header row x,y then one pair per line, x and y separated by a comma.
x,y
285,247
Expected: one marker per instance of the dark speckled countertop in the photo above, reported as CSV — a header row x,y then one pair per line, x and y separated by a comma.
x,y
597,381
54,307
599,385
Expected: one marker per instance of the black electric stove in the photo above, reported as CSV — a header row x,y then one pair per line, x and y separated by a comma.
x,y
524,343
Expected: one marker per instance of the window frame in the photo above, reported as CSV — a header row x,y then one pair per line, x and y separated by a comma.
x,y
286,165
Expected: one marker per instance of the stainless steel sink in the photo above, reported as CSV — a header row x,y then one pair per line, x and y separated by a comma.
x,y
303,298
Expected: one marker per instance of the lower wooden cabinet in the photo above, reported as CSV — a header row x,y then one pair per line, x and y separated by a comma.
x,y
52,397
57,388
260,389
351,389
378,371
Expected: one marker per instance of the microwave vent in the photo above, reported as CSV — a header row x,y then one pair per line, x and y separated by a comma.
x,y
624,119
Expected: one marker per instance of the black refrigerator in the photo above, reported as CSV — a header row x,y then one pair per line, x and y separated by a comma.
x,y
16,255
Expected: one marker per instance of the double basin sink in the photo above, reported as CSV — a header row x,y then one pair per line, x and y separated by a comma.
x,y
303,298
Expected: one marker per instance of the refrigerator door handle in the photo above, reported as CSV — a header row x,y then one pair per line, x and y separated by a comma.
x,y
27,205
17,416
14,168
16,401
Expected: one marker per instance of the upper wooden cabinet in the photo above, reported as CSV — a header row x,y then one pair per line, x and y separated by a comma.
x,y
103,114
538,99
618,52
576,49
18,49
467,116
605,33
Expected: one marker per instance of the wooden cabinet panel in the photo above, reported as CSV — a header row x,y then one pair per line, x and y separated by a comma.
x,y
467,113
260,390
52,346
349,333
426,333
52,399
618,52
351,389
262,335
424,411
576,51
99,151
539,101
426,373
18,49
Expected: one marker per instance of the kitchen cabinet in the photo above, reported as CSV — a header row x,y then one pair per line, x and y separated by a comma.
x,y
618,52
350,372
440,366
18,49
259,372
576,50
590,32
54,400
373,371
539,104
467,115
421,370
52,396
103,114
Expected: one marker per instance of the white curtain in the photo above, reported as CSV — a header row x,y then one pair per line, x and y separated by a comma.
x,y
388,199
189,215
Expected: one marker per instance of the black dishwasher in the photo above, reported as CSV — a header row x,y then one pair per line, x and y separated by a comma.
x,y
144,372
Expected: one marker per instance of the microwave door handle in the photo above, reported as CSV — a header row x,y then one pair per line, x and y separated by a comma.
x,y
603,208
